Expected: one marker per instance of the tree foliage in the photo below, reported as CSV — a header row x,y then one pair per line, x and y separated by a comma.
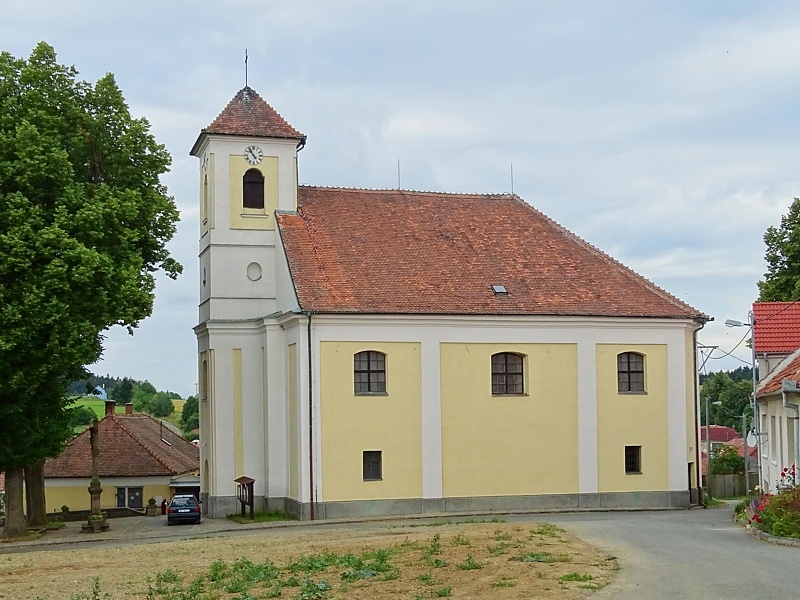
x,y
726,461
122,392
782,279
84,222
734,397
190,415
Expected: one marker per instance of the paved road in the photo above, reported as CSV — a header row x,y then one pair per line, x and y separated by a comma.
x,y
698,554
687,555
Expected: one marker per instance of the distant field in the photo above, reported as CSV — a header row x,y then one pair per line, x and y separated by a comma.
x,y
99,408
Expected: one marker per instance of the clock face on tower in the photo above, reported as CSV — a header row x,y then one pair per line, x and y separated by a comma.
x,y
253,154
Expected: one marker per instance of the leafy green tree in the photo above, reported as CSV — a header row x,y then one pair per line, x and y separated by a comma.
x,y
726,461
80,416
733,395
190,415
162,405
122,392
84,222
782,279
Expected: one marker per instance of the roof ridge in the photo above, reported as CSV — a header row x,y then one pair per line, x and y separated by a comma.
x,y
138,441
407,191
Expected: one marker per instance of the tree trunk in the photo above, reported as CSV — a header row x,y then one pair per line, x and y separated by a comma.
x,y
15,515
26,489
35,493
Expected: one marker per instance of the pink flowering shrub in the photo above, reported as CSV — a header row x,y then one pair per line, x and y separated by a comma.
x,y
778,514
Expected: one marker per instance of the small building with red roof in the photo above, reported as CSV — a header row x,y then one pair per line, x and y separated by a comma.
x,y
382,352
778,409
140,458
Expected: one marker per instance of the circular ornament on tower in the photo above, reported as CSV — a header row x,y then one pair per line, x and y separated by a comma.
x,y
254,271
253,154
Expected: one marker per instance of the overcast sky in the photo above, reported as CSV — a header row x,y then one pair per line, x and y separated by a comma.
x,y
664,133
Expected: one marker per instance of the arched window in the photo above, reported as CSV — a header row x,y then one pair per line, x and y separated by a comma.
x,y
205,198
253,189
369,372
204,381
508,373
630,372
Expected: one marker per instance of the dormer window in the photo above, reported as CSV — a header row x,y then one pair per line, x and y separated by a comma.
x,y
253,189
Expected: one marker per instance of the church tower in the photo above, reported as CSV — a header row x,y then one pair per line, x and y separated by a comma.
x,y
248,170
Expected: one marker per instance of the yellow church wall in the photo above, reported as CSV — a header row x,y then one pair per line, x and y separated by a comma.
x,y
250,218
352,424
632,419
691,432
291,382
509,445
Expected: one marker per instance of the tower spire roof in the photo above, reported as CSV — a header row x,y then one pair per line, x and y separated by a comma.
x,y
248,114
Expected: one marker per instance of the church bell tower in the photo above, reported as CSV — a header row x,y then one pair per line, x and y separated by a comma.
x,y
248,170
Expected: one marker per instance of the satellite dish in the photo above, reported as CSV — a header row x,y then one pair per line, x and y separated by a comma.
x,y
752,440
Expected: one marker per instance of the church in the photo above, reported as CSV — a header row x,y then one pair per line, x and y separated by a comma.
x,y
385,352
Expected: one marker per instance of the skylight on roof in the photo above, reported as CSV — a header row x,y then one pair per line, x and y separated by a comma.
x,y
499,289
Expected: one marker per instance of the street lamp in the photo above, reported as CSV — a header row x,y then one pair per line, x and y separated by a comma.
x,y
751,323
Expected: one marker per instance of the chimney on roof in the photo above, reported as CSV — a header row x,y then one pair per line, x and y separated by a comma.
x,y
110,407
129,409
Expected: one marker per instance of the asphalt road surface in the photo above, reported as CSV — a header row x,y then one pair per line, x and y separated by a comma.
x,y
686,555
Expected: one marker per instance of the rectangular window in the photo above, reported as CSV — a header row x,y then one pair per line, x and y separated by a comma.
x,y
373,468
507,374
633,460
630,372
369,372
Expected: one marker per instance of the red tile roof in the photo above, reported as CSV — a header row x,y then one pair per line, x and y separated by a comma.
x,y
130,446
777,327
788,368
406,252
719,433
249,115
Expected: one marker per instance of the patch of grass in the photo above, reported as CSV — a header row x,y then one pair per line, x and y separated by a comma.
x,y
434,548
263,517
541,557
502,536
55,525
469,564
427,579
547,530
460,540
575,577
444,592
499,549
505,582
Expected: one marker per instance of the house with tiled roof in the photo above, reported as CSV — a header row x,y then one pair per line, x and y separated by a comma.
x,y
140,458
383,352
778,402
777,332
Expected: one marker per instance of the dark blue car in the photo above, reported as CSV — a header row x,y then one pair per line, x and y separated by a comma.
x,y
183,509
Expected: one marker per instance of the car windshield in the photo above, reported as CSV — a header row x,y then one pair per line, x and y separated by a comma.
x,y
183,502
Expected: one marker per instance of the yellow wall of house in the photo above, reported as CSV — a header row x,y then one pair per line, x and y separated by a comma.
x,y
633,419
291,379
77,497
353,424
509,445
250,218
691,431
